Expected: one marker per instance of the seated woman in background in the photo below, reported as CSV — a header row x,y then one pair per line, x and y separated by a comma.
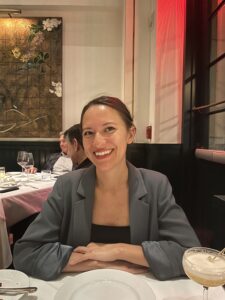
x,y
110,215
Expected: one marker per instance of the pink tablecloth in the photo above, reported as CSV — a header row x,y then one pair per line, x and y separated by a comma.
x,y
17,206
14,207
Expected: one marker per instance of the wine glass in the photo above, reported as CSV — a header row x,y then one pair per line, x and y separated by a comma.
x,y
205,266
30,161
22,159
2,174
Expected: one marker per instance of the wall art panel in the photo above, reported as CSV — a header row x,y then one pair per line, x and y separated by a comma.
x,y
30,77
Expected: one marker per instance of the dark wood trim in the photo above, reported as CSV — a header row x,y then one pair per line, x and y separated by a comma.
x,y
196,79
217,9
203,107
215,61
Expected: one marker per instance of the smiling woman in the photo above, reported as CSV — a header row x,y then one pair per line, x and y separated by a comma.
x,y
110,215
105,137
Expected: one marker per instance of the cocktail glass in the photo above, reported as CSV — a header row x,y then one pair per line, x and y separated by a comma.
x,y
205,266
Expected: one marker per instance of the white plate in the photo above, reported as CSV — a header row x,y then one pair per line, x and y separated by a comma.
x,y
105,284
13,173
13,278
7,185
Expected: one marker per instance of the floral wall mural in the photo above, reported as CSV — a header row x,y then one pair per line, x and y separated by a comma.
x,y
30,77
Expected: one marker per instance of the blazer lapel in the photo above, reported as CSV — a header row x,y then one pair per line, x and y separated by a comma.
x,y
139,207
83,207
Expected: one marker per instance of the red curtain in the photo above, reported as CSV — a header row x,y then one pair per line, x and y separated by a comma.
x,y
170,29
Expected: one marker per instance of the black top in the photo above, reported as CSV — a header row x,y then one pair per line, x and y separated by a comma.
x,y
110,234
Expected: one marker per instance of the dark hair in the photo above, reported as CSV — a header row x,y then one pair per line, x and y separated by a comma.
x,y
114,103
74,132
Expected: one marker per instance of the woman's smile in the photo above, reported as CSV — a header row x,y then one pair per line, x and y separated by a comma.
x,y
102,153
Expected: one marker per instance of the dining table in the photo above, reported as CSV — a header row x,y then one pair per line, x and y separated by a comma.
x,y
180,288
15,205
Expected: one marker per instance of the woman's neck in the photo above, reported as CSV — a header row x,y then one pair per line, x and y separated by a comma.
x,y
113,178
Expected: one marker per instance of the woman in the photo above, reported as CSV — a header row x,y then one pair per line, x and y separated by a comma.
x,y
111,215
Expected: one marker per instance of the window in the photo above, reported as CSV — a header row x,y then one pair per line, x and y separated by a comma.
x,y
216,76
204,86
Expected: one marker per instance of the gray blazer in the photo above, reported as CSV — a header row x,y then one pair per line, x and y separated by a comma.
x,y
156,222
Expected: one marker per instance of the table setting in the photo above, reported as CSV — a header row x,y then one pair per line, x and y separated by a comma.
x,y
10,181
102,284
21,195
28,177
7,183
15,180
32,180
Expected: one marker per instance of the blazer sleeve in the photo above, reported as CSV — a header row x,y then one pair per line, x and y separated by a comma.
x,y
39,252
175,235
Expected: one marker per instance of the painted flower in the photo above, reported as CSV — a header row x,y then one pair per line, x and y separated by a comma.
x,y
50,24
57,89
38,39
27,56
16,52
30,53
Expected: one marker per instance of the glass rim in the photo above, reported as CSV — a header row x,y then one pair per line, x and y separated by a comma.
x,y
205,250
202,248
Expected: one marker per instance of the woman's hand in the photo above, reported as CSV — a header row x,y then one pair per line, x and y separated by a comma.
x,y
31,170
99,252
111,252
118,256
123,266
89,265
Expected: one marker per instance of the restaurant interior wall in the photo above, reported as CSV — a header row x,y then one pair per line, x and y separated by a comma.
x,y
95,38
158,69
92,51
89,65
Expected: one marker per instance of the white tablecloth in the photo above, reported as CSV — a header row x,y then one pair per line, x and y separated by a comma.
x,y
179,289
17,205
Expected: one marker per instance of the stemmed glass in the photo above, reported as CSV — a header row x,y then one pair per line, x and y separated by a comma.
x,y
22,159
205,266
30,161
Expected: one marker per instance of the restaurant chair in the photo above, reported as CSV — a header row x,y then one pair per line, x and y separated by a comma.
x,y
18,229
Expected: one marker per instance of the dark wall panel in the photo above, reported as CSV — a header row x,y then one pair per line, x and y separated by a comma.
x,y
165,158
210,209
40,150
